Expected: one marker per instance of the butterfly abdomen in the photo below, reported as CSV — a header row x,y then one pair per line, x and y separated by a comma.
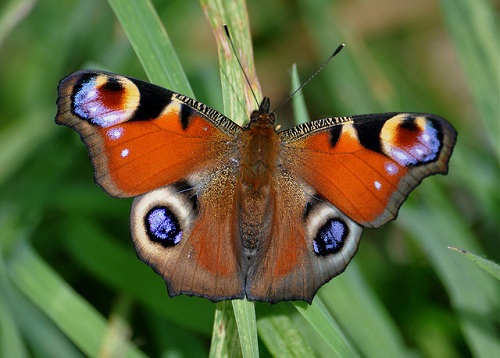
x,y
259,151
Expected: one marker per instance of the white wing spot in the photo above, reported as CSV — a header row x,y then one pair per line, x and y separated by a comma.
x,y
115,133
390,168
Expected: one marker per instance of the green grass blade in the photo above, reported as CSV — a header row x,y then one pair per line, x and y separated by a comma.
x,y
244,313
298,102
11,342
362,316
238,99
74,316
473,294
11,14
38,333
130,276
489,266
280,333
225,339
320,319
151,44
473,25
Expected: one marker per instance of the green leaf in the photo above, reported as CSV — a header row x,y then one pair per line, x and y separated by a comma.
x,y
11,342
234,86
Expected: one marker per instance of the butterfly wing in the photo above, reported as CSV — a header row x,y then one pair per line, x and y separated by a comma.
x,y
186,233
141,136
335,176
178,153
310,242
367,165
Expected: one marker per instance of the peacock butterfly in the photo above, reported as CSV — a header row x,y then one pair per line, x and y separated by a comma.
x,y
223,211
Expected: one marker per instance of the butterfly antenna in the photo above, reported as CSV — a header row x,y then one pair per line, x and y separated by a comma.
x,y
239,63
337,50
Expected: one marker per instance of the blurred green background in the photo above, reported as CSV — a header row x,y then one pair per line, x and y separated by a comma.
x,y
70,283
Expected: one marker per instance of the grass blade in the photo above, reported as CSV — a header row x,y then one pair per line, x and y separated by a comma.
x,y
225,339
80,321
474,26
489,266
151,44
280,333
244,313
473,294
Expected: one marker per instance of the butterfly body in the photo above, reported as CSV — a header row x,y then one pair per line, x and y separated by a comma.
x,y
223,211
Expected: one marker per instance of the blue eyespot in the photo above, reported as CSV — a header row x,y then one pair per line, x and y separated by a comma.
x,y
162,226
331,237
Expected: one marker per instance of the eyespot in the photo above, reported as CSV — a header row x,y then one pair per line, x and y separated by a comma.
x,y
104,100
330,237
411,139
162,226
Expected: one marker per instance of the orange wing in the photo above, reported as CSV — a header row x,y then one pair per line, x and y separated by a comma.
x,y
332,177
141,136
178,153
367,165
310,242
186,233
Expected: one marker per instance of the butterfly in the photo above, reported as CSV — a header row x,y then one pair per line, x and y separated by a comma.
x,y
223,211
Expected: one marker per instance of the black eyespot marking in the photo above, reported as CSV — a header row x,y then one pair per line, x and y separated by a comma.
x,y
186,112
335,135
112,85
331,237
307,210
162,226
369,131
152,101
409,124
